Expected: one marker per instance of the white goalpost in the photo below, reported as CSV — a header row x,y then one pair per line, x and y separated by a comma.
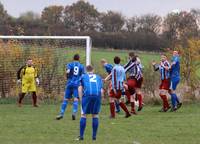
x,y
50,55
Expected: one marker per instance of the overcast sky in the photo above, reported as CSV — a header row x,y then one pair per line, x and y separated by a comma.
x,y
127,7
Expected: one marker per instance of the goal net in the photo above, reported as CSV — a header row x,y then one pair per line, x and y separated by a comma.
x,y
50,54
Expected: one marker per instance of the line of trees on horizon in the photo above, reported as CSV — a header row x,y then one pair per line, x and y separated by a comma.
x,y
111,29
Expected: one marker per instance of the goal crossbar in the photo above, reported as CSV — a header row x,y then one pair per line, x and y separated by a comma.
x,y
87,38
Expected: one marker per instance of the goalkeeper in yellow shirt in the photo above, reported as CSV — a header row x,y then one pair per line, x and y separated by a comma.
x,y
28,78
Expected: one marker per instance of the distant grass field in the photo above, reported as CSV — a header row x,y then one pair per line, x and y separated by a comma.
x,y
146,57
98,54
29,125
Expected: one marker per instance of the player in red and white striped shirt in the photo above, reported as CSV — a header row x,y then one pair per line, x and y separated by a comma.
x,y
135,80
164,68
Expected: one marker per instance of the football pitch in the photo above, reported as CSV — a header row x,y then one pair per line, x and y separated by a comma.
x,y
28,125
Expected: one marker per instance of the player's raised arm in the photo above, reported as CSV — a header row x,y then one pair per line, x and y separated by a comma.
x,y
155,66
108,78
166,65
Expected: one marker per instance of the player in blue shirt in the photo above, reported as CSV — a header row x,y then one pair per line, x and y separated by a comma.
x,y
175,79
108,67
91,91
74,71
118,78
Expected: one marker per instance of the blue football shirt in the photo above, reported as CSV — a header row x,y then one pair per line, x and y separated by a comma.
x,y
118,77
92,85
175,68
108,68
76,69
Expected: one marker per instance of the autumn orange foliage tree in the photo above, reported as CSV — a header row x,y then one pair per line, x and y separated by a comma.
x,y
190,63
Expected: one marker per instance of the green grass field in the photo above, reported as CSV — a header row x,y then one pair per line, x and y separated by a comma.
x,y
97,55
29,125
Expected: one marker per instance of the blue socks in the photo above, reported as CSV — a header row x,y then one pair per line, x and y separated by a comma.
x,y
174,99
95,125
75,107
82,126
63,107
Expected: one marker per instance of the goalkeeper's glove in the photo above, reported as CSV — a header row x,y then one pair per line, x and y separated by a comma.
x,y
37,81
19,81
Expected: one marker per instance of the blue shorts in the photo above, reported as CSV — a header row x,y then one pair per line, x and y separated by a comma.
x,y
174,83
91,105
71,91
